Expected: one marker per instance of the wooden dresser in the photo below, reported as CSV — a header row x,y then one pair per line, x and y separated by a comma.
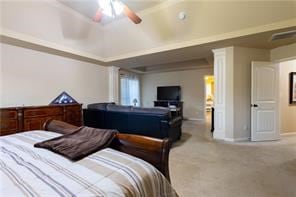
x,y
18,119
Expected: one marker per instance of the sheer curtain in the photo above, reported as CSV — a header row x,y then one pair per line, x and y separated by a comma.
x,y
129,89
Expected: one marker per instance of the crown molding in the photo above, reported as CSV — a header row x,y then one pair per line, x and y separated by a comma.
x,y
209,39
50,47
178,69
132,70
105,61
221,51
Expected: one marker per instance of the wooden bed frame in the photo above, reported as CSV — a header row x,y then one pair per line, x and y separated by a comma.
x,y
154,151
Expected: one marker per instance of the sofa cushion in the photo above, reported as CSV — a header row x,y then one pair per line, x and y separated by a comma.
x,y
118,108
94,118
145,124
99,106
151,110
163,111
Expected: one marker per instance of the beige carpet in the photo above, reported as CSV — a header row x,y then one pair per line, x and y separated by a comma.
x,y
200,166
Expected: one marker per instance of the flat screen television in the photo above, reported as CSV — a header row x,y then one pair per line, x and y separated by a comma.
x,y
169,93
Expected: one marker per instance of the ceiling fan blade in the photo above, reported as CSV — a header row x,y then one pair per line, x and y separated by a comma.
x,y
129,13
98,16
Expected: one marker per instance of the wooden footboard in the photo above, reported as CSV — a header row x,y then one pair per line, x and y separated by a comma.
x,y
154,151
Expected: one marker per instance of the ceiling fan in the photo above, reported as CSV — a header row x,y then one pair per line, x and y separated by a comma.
x,y
113,8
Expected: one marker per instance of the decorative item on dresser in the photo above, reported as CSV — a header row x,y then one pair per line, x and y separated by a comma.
x,y
18,119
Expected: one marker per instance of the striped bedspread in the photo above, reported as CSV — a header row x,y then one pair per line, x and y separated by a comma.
x,y
29,171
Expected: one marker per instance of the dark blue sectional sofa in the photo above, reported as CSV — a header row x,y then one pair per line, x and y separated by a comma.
x,y
152,122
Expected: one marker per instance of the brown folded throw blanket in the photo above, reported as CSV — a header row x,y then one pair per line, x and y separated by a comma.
x,y
80,143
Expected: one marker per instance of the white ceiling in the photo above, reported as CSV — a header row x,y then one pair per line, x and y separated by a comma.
x,y
202,52
88,8
161,39
199,53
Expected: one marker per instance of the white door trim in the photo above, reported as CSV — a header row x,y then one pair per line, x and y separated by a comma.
x,y
220,93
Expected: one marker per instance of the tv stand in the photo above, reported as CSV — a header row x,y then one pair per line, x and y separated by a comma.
x,y
165,103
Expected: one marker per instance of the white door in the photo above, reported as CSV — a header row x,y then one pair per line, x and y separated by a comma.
x,y
264,102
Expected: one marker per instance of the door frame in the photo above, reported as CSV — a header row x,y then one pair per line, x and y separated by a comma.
x,y
279,117
205,95
279,73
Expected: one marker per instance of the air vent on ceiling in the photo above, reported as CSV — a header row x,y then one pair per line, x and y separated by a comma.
x,y
283,35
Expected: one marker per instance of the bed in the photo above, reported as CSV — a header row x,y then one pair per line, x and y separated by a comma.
x,y
131,166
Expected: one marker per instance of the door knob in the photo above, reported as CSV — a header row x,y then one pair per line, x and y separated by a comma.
x,y
254,105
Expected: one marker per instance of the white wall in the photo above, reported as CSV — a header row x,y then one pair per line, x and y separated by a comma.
x,y
237,90
287,111
283,53
34,78
242,58
192,88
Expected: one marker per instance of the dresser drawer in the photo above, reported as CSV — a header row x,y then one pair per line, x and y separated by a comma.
x,y
18,119
8,114
7,126
37,123
73,108
52,111
2,133
74,114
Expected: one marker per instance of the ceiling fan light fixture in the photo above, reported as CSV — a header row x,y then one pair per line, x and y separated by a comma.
x,y
111,8
118,7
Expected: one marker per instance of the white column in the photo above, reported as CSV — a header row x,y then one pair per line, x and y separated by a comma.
x,y
220,93
113,84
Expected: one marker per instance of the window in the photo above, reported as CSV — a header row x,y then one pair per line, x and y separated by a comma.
x,y
129,89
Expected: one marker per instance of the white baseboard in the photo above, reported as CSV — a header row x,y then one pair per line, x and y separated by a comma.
x,y
243,139
195,119
219,135
289,133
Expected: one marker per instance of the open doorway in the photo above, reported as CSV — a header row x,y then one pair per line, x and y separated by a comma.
x,y
287,97
209,97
